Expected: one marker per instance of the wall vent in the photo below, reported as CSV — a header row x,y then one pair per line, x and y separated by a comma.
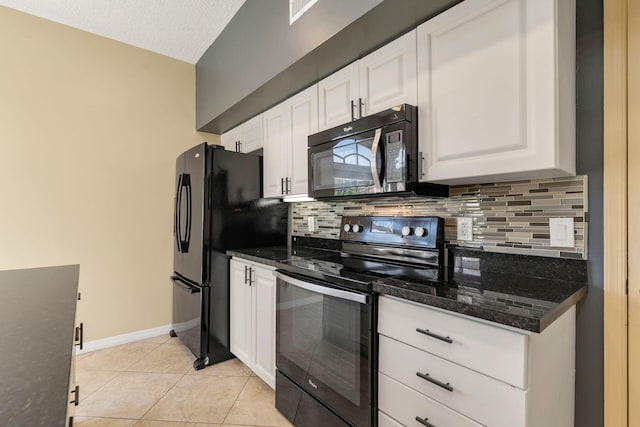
x,y
297,8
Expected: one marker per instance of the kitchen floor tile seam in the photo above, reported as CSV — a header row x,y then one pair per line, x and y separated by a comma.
x,y
187,422
86,396
246,383
160,398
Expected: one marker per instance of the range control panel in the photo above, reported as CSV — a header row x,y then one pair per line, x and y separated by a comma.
x,y
425,232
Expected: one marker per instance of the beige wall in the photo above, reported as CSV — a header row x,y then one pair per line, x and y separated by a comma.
x,y
89,132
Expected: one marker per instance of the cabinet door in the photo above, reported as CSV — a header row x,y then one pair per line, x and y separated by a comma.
x,y
241,313
304,122
264,288
250,134
388,76
495,80
229,139
336,94
277,136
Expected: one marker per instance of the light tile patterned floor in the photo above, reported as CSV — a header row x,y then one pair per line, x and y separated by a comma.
x,y
151,383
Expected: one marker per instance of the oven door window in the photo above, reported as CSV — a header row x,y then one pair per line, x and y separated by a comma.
x,y
345,165
323,345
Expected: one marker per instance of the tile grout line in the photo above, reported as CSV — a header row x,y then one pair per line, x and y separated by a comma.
x,y
163,395
236,400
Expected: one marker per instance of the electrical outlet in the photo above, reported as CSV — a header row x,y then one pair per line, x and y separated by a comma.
x,y
561,232
465,228
311,223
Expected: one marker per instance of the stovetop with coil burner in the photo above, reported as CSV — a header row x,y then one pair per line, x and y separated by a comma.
x,y
380,247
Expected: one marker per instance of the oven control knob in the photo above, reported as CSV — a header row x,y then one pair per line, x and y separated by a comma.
x,y
347,228
406,230
420,232
357,228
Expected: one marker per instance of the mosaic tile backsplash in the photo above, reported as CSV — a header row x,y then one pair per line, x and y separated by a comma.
x,y
510,217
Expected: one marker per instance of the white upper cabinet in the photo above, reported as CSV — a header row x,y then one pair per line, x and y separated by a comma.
x,y
244,138
304,122
388,76
338,97
380,80
496,96
277,123
286,129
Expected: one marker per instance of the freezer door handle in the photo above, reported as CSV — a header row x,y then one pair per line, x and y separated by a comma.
x,y
185,184
177,213
181,284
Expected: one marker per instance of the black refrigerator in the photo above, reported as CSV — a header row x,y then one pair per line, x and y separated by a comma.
x,y
218,206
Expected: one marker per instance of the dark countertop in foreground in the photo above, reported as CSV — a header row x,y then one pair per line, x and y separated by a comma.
x,y
37,317
489,286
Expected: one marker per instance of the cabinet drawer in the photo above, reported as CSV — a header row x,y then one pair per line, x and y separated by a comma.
x,y
477,396
494,351
405,404
385,421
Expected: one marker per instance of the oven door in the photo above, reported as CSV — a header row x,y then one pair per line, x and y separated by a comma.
x,y
324,345
348,166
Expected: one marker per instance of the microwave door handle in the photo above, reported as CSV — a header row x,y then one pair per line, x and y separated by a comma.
x,y
374,162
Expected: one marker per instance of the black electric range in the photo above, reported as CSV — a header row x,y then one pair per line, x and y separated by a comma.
x,y
325,319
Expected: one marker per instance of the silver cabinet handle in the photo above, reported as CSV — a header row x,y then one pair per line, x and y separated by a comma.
x,y
361,104
287,181
281,186
420,165
324,290
426,377
436,336
424,421
353,105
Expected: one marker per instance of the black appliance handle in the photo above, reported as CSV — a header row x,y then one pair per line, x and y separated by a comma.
x,y
184,240
177,214
181,284
374,159
324,290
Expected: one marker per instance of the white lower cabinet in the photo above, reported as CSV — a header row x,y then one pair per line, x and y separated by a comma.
x,y
406,405
448,369
253,320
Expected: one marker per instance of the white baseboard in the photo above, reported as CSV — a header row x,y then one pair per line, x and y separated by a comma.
x,y
102,343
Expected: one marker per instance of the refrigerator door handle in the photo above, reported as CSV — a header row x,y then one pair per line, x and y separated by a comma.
x,y
177,213
184,240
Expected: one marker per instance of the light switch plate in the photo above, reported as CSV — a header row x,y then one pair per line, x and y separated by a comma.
x,y
561,232
311,223
465,228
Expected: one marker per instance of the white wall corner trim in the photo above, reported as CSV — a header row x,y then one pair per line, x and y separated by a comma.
x,y
115,340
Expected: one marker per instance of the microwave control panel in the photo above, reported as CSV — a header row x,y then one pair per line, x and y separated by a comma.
x,y
395,157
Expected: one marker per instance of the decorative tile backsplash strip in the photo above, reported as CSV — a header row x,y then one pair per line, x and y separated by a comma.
x,y
511,217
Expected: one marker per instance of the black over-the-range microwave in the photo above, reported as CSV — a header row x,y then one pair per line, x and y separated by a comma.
x,y
374,155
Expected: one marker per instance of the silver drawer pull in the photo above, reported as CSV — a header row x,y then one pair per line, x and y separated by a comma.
x,y
426,377
424,421
436,336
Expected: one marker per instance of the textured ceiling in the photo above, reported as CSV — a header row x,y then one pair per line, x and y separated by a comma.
x,y
181,29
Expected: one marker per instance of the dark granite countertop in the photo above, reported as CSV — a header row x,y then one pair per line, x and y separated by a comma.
x,y
274,255
525,292
37,317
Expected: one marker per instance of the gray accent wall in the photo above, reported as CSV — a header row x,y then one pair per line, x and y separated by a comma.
x,y
589,137
259,60
258,44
